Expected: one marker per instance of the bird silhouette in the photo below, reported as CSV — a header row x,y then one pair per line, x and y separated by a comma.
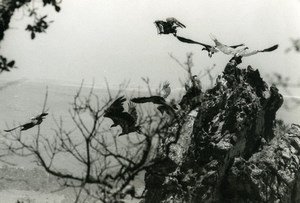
x,y
169,26
209,48
239,51
192,97
163,106
34,121
126,120
295,45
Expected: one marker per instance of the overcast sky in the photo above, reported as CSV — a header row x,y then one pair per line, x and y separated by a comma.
x,y
117,39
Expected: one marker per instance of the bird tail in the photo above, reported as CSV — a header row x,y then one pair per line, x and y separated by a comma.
x,y
272,48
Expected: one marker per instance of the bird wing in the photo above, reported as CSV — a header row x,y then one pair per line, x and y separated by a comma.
x,y
159,26
238,45
250,53
222,47
115,110
152,99
175,21
12,129
115,107
185,40
272,48
166,90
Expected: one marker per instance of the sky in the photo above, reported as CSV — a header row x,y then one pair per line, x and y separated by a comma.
x,y
117,40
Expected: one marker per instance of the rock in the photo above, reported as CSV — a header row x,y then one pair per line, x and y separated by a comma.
x,y
233,153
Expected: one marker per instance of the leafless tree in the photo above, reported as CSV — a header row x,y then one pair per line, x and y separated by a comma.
x,y
104,164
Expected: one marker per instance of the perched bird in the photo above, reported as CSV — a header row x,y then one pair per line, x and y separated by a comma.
x,y
163,105
239,51
34,121
168,27
295,45
166,89
193,94
127,120
210,49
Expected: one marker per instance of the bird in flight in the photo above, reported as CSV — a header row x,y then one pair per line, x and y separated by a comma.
x,y
163,105
126,120
169,26
239,51
295,45
34,121
209,48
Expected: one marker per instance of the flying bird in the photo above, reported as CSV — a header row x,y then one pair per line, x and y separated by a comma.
x,y
34,121
126,120
209,48
163,105
169,26
237,51
295,45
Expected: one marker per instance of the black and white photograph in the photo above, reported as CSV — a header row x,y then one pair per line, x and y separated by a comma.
x,y
149,101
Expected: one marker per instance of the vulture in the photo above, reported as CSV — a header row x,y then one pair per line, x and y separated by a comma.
x,y
192,96
210,49
34,121
240,51
169,26
163,105
126,120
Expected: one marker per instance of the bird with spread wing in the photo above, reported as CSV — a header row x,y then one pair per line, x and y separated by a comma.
x,y
169,26
126,120
37,120
163,105
240,51
209,48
